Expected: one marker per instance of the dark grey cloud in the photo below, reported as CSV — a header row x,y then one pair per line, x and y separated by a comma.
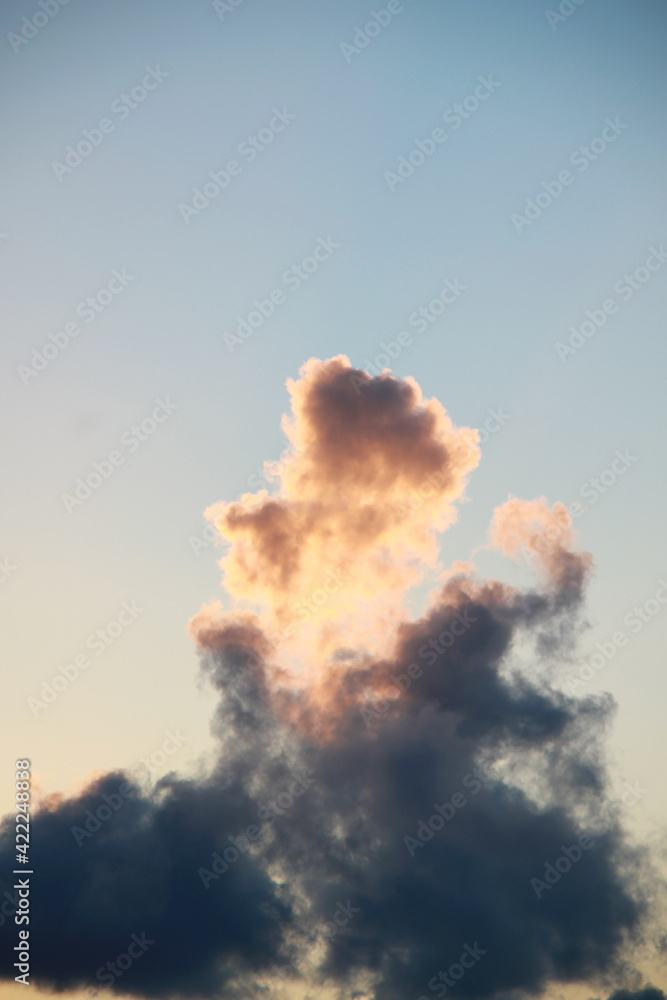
x,y
647,993
394,814
345,838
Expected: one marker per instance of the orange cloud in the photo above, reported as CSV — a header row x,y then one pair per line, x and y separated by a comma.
x,y
546,534
318,572
372,473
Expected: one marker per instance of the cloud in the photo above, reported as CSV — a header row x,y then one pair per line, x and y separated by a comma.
x,y
547,536
390,716
647,993
359,449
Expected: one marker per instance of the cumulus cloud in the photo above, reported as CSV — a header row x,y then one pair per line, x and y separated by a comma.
x,y
647,993
359,450
388,787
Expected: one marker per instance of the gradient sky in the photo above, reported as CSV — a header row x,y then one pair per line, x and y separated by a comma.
x,y
322,177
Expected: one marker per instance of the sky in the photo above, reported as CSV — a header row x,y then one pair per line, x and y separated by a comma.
x,y
199,199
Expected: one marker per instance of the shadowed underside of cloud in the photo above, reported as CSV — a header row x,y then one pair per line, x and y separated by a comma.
x,y
387,790
647,993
